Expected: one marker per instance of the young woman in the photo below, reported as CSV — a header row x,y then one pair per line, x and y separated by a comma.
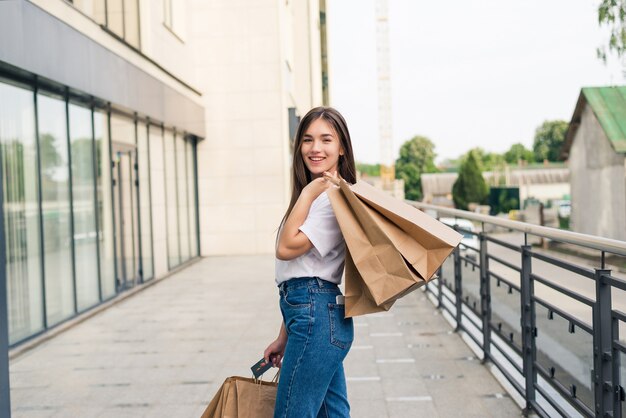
x,y
314,337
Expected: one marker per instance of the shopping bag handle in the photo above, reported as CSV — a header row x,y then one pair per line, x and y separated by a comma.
x,y
274,379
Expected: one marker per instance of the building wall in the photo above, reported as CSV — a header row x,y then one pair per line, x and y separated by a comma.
x,y
156,82
598,182
544,192
66,90
255,59
168,46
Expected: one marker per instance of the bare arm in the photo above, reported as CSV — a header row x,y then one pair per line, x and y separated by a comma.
x,y
292,242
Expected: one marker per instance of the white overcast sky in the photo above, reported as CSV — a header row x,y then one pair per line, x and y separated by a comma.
x,y
465,73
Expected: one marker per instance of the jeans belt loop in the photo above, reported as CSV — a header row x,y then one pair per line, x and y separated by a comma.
x,y
320,282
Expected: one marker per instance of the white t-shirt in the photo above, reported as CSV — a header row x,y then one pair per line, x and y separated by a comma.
x,y
326,258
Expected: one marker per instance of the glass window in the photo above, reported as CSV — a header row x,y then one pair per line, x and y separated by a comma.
x,y
119,16
145,208
21,212
168,13
157,189
105,205
173,249
125,202
131,22
115,17
53,150
183,205
93,8
84,206
191,191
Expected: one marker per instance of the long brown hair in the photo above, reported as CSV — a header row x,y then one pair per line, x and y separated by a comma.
x,y
300,175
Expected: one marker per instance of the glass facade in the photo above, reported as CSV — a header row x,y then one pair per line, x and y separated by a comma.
x,y
171,198
191,191
180,192
55,208
78,200
183,197
145,197
125,198
20,188
104,193
84,207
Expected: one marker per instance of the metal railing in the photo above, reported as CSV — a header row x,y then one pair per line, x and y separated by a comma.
x,y
550,325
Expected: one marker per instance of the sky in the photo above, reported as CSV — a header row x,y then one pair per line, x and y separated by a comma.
x,y
465,73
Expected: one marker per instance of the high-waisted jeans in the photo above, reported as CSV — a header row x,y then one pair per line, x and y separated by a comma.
x,y
312,381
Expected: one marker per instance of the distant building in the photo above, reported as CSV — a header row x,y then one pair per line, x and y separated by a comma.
x,y
596,147
542,183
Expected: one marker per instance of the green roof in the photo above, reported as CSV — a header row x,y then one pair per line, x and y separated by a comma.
x,y
609,106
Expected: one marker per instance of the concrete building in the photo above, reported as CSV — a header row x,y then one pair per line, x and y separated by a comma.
x,y
539,183
260,67
138,135
596,148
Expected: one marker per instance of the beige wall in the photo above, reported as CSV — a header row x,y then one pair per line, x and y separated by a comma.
x,y
157,42
253,59
170,47
598,182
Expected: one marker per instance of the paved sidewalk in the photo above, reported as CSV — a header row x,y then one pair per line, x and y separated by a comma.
x,y
165,351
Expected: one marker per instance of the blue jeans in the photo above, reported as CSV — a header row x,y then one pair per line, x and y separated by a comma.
x,y
312,381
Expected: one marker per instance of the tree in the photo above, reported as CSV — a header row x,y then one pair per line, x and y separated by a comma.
x,y
417,156
519,152
549,139
487,161
612,13
470,186
368,169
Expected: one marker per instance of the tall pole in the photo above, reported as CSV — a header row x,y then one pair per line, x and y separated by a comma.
x,y
5,393
387,171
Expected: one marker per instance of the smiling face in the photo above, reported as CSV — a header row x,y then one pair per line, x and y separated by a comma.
x,y
320,148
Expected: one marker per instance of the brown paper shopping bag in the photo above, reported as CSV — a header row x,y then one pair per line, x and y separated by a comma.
x,y
432,240
391,250
242,397
375,271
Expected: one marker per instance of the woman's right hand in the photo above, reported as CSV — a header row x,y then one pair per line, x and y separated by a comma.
x,y
319,185
275,351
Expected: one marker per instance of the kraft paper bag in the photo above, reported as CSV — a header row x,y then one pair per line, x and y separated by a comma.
x,y
242,397
391,250
432,241
375,271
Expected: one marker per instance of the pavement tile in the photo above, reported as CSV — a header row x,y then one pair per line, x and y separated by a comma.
x,y
165,351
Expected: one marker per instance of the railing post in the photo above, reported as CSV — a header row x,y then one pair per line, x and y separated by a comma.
x,y
458,291
485,296
528,325
617,385
604,390
440,288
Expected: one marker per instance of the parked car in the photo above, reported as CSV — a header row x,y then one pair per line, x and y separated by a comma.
x,y
470,239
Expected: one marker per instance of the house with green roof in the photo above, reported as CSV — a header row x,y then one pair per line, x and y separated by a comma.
x,y
595,145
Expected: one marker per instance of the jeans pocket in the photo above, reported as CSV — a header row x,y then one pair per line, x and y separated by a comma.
x,y
341,328
297,298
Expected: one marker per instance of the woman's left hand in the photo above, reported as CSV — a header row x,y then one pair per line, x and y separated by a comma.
x,y
332,177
